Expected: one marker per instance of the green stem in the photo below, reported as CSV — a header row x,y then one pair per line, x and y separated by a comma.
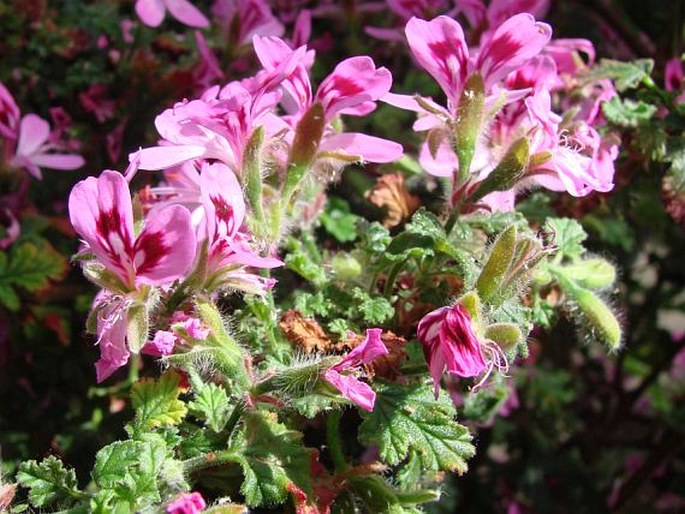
x,y
452,221
333,440
208,460
392,276
233,420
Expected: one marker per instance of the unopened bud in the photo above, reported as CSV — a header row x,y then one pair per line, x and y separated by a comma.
x,y
346,267
508,172
467,125
506,335
492,276
594,273
602,320
252,175
305,145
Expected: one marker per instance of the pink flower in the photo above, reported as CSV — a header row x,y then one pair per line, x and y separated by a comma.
x,y
112,321
246,18
187,503
101,212
9,114
350,386
450,344
162,344
439,46
352,88
152,12
34,149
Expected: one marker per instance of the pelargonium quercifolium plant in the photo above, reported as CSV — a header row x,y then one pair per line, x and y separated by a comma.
x,y
388,332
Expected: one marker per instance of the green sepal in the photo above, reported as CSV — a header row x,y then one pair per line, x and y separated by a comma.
x,y
137,327
471,302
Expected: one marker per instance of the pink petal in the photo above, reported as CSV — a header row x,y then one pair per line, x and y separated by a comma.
x,y
161,157
165,249
439,46
442,164
371,347
353,389
151,12
100,211
222,199
112,341
162,344
500,10
354,81
516,41
187,13
33,133
58,161
365,147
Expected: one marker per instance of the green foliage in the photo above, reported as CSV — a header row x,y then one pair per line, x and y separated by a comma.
x,y
48,482
408,417
568,236
210,404
339,221
30,266
271,457
156,402
626,75
628,113
127,473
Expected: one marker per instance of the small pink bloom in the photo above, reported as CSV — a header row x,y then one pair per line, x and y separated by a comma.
x,y
101,212
673,75
9,114
195,329
34,149
350,386
187,503
450,344
96,100
246,19
162,344
152,12
112,321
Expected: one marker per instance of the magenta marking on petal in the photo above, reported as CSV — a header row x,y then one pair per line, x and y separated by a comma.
x,y
150,250
224,212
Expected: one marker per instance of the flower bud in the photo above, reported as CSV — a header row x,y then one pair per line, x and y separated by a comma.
x,y
137,327
253,175
600,317
508,172
491,278
305,145
346,267
466,127
506,335
594,273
